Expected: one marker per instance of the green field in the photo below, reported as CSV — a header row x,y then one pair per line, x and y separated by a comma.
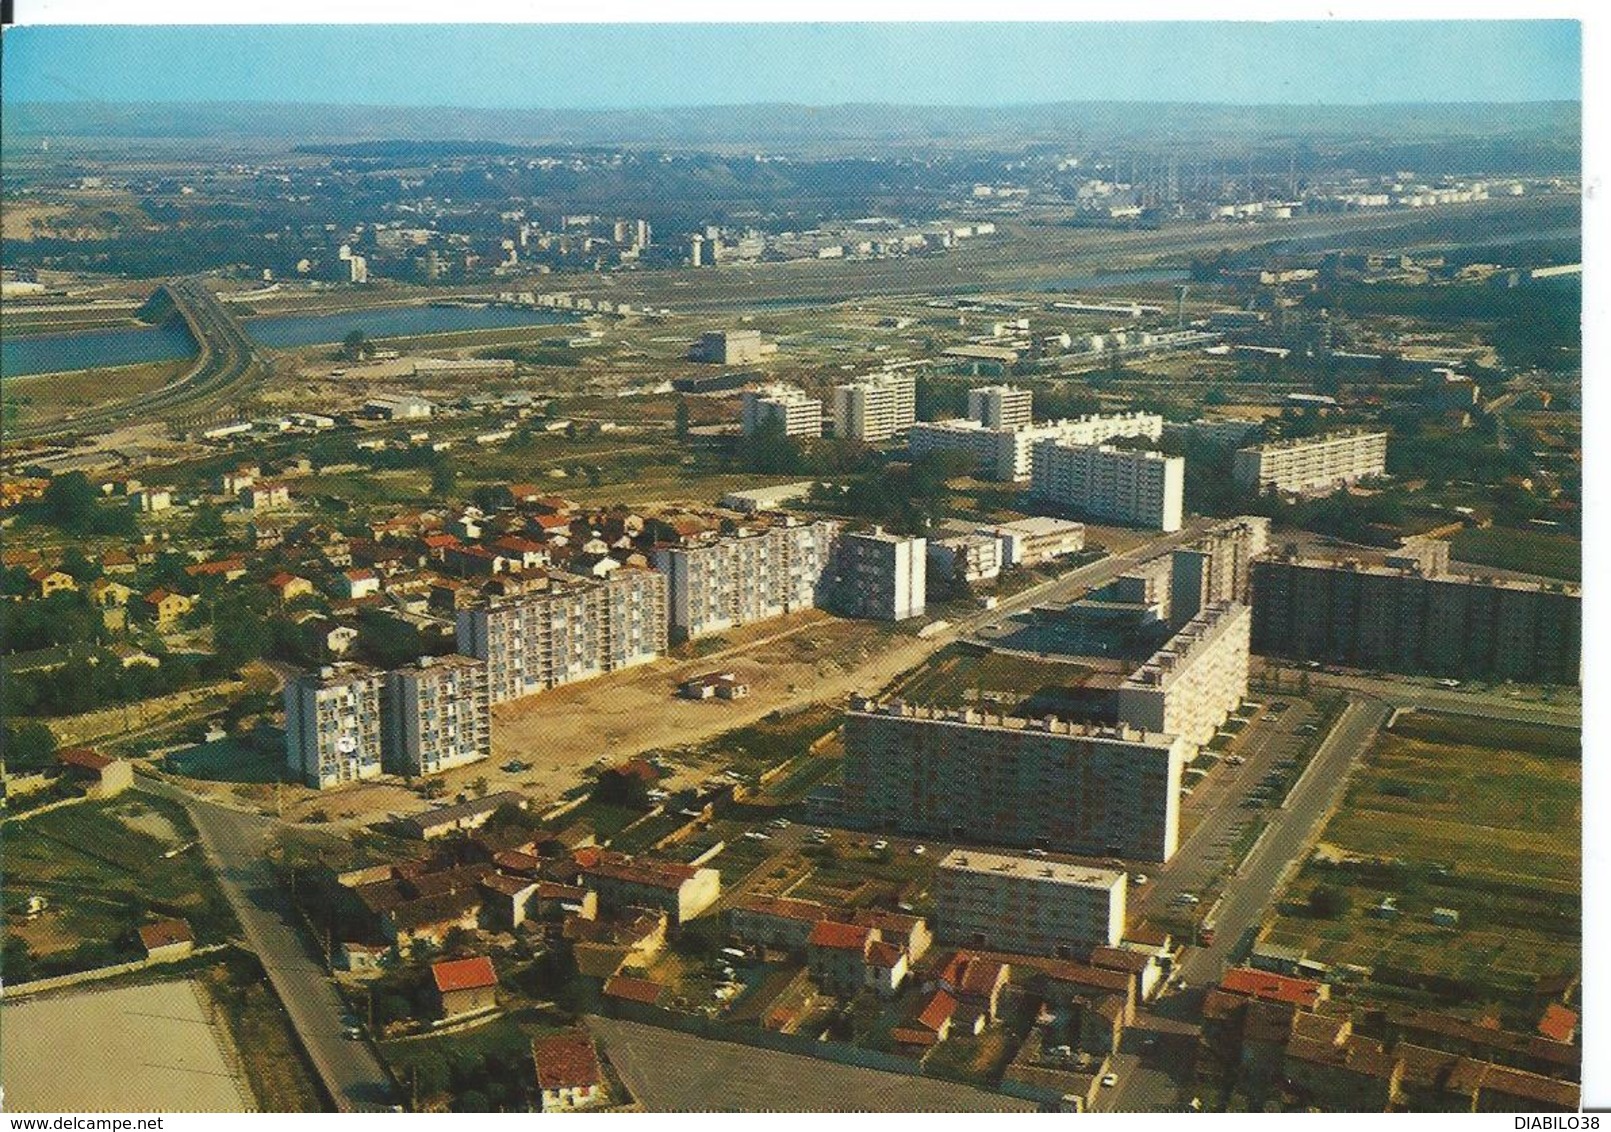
x,y
1529,552
1488,827
101,867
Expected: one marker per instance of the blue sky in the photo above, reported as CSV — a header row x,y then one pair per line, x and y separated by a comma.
x,y
635,65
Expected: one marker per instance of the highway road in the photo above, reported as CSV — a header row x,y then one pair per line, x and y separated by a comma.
x,y
1157,1055
236,845
228,364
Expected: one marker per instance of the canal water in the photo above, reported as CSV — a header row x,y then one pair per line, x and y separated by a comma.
x,y
54,353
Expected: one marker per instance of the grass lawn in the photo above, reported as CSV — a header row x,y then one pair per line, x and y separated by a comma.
x,y
275,1068
1489,830
1530,552
101,866
956,673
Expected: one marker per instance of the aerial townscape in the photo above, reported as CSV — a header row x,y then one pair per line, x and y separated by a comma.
x,y
789,608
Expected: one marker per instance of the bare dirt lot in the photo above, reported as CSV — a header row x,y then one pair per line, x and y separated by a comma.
x,y
144,1048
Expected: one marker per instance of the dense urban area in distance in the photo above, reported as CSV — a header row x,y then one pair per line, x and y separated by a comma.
x,y
971,611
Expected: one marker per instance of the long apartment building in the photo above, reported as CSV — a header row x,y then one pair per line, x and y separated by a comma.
x,y
333,724
1311,465
574,629
436,715
881,576
744,578
1400,616
1142,489
787,405
1006,452
1195,680
875,409
1027,905
1000,780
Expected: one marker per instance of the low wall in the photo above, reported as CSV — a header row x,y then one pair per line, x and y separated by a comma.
x,y
95,974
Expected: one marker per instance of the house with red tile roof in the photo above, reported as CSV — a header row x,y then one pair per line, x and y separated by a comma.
x,y
464,986
1249,983
928,1024
1558,1023
568,1073
48,580
836,954
102,775
627,988
289,587
885,967
683,891
166,939
775,921
164,607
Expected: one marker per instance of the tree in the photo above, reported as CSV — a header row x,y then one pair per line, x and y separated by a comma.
x,y
443,477
79,565
70,502
1327,902
208,523
621,788
356,346
682,424
16,962
29,745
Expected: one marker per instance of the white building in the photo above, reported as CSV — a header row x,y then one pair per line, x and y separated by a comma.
x,y
333,725
875,409
1217,567
745,578
1001,780
881,576
1006,453
575,629
1027,905
1001,406
731,347
1195,680
436,715
1312,465
787,405
1144,489
752,500
398,407
965,558
1037,539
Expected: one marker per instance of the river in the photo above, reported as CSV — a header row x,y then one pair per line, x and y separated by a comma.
x,y
55,353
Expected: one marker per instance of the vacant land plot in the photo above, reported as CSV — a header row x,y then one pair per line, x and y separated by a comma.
x,y
152,1048
102,867
962,674
1553,556
669,1071
1489,831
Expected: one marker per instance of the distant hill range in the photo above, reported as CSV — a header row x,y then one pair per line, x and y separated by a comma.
x,y
1541,129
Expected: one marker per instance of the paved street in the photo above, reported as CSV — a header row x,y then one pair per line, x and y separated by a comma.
x,y
1150,1076
236,844
1525,704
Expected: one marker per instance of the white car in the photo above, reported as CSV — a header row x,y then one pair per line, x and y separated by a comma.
x,y
880,846
919,850
1110,1079
1037,852
1139,878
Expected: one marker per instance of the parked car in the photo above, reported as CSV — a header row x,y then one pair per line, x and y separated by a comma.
x,y
880,846
1037,852
1110,1079
919,850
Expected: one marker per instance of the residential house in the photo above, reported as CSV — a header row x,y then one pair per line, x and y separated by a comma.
x,y
464,986
289,587
509,900
1100,1022
468,815
115,562
773,921
355,584
265,496
103,776
836,955
628,989
227,569
48,580
164,607
683,891
885,967
166,939
911,933
928,1024
1147,968
568,1072
976,983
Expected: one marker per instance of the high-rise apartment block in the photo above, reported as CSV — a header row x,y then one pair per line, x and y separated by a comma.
x,y
1001,406
1000,780
1217,567
1404,617
1195,680
1143,489
743,578
1027,905
880,576
1311,465
575,629
436,715
1006,452
789,407
333,724
875,409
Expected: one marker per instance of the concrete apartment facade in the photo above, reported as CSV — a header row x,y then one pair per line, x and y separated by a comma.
x,y
575,629
875,409
1006,452
333,725
746,577
1217,567
1027,905
1311,465
1399,619
999,780
1142,489
1001,406
965,558
1193,683
787,405
730,347
880,576
1037,539
437,715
